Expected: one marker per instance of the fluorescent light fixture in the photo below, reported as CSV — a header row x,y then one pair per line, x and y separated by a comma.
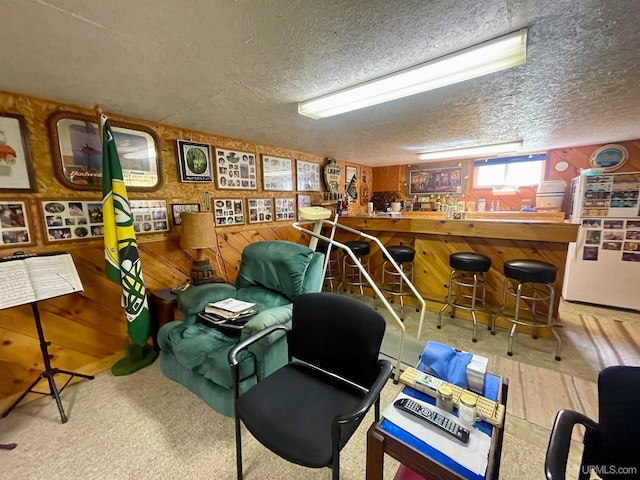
x,y
481,151
492,56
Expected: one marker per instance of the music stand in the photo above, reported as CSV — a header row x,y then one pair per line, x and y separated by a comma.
x,y
64,270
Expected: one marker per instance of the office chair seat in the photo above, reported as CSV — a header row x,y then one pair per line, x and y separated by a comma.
x,y
299,436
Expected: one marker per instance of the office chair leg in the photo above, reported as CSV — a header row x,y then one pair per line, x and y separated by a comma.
x,y
238,448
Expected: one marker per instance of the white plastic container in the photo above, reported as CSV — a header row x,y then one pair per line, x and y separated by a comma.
x,y
550,194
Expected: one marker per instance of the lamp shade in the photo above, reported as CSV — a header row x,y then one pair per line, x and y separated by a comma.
x,y
198,230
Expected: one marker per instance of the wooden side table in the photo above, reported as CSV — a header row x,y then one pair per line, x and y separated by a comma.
x,y
162,305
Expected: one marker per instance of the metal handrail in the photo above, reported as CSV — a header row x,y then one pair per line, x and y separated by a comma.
x,y
316,235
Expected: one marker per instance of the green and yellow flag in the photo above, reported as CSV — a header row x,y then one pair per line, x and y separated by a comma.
x,y
120,248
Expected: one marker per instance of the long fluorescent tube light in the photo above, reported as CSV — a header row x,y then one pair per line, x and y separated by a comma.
x,y
488,57
485,150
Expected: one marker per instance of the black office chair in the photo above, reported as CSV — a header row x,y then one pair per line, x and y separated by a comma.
x,y
306,411
612,445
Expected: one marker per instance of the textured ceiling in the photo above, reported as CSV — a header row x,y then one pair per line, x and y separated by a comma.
x,y
238,69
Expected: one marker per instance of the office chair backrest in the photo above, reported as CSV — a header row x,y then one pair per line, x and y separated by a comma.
x,y
619,420
338,334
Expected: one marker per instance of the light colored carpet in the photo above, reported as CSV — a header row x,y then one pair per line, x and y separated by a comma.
x,y
144,426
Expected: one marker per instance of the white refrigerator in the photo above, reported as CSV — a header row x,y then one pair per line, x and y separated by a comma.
x,y
603,265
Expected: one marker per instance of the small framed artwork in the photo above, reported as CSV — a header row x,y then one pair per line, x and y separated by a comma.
x,y
304,200
149,216
16,168
308,176
77,152
351,183
194,160
14,224
72,219
260,210
285,209
228,212
236,170
277,173
178,208
609,157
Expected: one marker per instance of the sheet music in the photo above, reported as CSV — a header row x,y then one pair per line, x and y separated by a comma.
x,y
26,280
52,276
15,285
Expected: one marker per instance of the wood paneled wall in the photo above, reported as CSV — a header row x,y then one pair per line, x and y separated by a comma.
x,y
577,159
87,331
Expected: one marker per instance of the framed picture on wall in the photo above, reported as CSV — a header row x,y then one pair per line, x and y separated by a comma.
x,y
304,200
194,161
16,167
277,173
285,209
228,211
77,152
236,170
66,219
149,216
423,180
260,210
308,176
14,223
178,208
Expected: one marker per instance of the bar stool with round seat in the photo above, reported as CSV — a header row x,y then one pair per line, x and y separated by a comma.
x,y
467,286
351,274
333,267
392,281
529,283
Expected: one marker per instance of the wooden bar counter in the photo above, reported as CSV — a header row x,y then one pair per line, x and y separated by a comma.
x,y
434,239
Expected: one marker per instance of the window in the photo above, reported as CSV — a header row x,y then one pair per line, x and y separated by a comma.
x,y
520,171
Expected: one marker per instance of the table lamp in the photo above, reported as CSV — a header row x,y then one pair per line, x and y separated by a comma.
x,y
198,232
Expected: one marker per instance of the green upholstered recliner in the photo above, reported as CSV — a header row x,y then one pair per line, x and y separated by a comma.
x,y
271,275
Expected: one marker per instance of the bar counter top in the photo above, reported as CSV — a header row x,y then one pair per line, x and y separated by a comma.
x,y
512,229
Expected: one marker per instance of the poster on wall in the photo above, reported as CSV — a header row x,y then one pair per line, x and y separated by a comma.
x,y
285,209
236,170
229,211
260,210
14,224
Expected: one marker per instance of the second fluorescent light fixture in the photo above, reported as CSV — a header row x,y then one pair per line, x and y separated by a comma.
x,y
492,56
484,150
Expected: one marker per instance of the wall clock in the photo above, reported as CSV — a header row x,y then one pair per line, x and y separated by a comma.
x,y
609,157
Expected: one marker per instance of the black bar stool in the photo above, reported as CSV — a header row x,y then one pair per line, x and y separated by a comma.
x,y
392,281
529,282
469,279
333,267
351,274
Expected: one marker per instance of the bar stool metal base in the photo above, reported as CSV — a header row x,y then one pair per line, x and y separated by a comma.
x,y
470,294
396,286
527,295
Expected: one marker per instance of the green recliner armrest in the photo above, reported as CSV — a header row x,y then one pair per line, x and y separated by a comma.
x,y
273,316
193,300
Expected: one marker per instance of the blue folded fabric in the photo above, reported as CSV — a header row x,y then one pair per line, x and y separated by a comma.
x,y
446,363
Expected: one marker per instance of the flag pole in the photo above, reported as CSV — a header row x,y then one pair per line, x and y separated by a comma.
x,y
122,260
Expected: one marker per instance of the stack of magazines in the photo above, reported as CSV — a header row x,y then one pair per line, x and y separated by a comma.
x,y
228,313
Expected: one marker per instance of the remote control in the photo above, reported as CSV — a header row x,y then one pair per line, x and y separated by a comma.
x,y
434,418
